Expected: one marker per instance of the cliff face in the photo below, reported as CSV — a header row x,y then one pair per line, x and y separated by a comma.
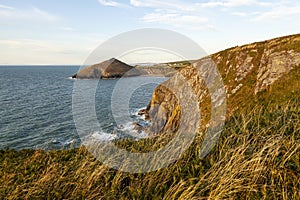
x,y
246,71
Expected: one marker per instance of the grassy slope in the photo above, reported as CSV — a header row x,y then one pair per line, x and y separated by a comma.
x,y
257,156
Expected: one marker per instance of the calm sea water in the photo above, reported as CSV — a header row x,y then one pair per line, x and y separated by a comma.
x,y
36,106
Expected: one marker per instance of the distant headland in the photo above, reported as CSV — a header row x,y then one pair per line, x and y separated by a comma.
x,y
114,68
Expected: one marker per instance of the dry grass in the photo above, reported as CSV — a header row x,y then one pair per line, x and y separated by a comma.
x,y
257,157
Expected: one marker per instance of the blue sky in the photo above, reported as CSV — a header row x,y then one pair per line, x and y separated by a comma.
x,y
65,32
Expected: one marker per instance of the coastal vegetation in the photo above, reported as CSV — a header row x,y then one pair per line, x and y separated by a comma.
x,y
256,157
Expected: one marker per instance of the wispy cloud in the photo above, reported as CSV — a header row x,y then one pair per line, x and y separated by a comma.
x,y
175,13
28,44
44,15
166,4
181,13
66,28
6,7
174,18
177,19
255,10
112,3
31,51
233,3
240,14
280,12
34,14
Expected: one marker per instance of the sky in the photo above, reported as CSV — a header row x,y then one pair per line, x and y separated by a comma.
x,y
65,32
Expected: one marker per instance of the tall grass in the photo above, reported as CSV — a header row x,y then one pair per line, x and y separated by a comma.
x,y
257,157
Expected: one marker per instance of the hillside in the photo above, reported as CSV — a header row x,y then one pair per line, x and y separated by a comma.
x,y
112,68
115,68
256,157
246,71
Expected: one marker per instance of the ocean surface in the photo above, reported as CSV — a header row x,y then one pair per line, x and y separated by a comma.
x,y
36,107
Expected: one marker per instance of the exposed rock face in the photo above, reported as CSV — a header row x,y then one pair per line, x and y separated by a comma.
x,y
112,68
274,65
246,71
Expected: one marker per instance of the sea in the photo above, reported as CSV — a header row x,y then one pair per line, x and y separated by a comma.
x,y
36,110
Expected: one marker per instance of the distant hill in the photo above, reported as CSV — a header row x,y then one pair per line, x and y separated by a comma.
x,y
115,68
112,68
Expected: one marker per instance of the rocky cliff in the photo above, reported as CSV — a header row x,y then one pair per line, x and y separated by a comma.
x,y
247,72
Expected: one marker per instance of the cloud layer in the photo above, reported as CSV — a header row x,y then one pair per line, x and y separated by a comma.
x,y
186,14
33,14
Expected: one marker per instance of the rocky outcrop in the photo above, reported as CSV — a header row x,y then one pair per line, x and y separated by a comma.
x,y
274,65
246,71
112,68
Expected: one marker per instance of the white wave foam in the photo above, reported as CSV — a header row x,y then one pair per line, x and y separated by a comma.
x,y
101,136
135,113
69,142
129,129
137,110
96,137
